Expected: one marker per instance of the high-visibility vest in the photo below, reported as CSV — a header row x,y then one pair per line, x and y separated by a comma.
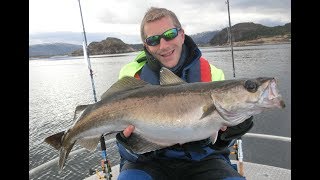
x,y
208,71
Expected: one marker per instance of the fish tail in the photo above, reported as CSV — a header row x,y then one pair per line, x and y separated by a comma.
x,y
64,152
55,140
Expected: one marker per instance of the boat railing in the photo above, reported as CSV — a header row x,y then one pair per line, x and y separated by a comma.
x,y
55,160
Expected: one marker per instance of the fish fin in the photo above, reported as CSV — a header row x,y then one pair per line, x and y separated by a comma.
x,y
214,137
55,140
78,111
207,110
124,84
64,152
167,77
89,143
140,145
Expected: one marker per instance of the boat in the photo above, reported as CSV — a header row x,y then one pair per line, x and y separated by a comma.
x,y
251,170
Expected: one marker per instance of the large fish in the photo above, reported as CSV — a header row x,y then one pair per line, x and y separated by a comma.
x,y
174,112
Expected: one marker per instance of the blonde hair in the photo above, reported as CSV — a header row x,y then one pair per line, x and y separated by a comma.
x,y
154,14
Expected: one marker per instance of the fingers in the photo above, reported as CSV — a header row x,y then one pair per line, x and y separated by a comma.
x,y
127,132
223,128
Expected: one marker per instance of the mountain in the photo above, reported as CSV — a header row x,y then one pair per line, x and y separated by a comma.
x,y
137,47
242,33
250,31
54,49
203,38
108,46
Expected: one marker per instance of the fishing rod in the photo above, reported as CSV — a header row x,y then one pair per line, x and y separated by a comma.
x,y
105,160
85,53
230,37
239,152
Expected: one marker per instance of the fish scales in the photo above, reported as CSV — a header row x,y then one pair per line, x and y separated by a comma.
x,y
174,112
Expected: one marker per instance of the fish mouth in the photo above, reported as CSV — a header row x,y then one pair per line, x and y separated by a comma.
x,y
271,97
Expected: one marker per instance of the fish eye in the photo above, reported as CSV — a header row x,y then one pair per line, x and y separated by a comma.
x,y
251,86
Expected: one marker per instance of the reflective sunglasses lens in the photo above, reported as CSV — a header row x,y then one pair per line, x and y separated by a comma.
x,y
170,34
153,40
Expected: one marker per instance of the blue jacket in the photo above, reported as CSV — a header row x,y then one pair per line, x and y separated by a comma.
x,y
190,68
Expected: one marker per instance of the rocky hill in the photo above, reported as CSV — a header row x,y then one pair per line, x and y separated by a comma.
x,y
108,46
253,33
203,38
242,34
54,49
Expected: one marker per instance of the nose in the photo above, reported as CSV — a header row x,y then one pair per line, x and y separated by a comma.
x,y
163,44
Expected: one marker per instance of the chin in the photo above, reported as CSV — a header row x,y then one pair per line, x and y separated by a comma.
x,y
170,65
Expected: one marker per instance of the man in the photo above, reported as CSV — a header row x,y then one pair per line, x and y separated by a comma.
x,y
165,44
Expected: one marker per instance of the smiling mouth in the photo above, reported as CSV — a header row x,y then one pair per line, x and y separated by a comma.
x,y
167,54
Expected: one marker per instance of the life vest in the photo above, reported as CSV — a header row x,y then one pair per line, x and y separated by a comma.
x,y
205,72
199,70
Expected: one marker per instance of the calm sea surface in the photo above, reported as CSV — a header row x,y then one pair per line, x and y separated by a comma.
x,y
58,85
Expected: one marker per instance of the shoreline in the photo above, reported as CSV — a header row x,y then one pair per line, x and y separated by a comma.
x,y
285,39
241,44
235,44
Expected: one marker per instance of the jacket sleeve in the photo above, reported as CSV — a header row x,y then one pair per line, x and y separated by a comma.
x,y
133,67
125,153
216,73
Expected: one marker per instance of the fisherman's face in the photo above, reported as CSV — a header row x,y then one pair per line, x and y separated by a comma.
x,y
167,52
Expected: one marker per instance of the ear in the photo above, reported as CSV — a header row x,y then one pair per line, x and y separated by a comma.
x,y
182,34
146,48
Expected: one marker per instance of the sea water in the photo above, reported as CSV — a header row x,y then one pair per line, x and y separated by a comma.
x,y
58,84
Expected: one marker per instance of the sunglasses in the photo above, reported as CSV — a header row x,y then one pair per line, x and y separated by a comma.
x,y
168,35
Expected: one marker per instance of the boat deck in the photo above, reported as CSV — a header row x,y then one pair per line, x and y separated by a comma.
x,y
252,171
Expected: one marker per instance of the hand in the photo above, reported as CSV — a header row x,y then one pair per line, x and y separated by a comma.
x,y
123,136
127,132
226,136
237,131
223,128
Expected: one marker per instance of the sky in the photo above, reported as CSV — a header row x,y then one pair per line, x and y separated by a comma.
x,y
52,21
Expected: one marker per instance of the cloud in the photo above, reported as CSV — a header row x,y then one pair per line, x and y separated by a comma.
x,y
123,12
123,17
77,37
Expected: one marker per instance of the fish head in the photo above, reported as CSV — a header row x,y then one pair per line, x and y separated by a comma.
x,y
269,96
237,100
